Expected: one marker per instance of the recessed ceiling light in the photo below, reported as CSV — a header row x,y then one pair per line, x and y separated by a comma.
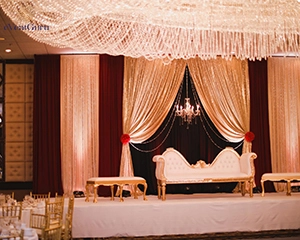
x,y
8,50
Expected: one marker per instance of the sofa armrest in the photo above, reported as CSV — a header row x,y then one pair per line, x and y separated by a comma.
x,y
247,163
160,167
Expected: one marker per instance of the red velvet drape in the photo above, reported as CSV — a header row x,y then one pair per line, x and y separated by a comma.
x,y
110,119
46,132
259,123
46,125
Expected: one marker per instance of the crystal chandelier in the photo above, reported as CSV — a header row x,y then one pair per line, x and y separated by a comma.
x,y
252,29
187,113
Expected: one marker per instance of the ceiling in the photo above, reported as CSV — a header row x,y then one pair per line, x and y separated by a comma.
x,y
22,46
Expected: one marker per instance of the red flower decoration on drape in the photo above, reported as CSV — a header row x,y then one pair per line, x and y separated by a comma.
x,y
249,136
125,138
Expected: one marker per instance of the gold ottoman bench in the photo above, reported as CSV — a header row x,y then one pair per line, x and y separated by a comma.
x,y
95,182
278,177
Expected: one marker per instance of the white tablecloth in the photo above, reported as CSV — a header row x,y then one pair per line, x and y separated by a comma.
x,y
32,236
25,218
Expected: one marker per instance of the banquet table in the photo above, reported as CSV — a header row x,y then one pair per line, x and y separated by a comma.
x,y
29,234
34,236
11,233
28,207
39,209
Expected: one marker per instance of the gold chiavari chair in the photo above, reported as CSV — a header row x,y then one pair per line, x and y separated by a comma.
x,y
4,197
66,232
55,209
13,212
12,195
45,231
49,225
53,233
40,196
67,226
10,214
40,223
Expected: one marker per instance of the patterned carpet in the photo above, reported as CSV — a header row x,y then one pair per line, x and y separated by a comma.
x,y
280,234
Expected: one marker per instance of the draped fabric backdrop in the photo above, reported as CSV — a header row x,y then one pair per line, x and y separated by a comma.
x,y
223,87
150,88
47,138
79,120
46,125
284,111
145,102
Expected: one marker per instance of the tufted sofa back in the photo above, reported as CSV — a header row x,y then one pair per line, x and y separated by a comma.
x,y
175,163
227,161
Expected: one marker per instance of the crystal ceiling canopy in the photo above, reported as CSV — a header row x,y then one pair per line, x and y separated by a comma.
x,y
172,29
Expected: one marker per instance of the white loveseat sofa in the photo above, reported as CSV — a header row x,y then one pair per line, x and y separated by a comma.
x,y
228,166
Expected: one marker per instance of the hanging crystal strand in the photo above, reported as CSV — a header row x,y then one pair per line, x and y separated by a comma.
x,y
256,47
224,45
264,51
196,98
249,41
219,42
296,45
227,45
237,46
202,47
287,41
207,50
290,41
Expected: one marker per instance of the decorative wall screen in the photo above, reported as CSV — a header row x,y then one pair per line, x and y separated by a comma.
x,y
18,122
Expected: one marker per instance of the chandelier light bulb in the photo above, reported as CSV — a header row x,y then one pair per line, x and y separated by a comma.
x,y
187,113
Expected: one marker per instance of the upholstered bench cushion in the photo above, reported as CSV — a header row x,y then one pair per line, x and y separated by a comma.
x,y
111,181
277,177
281,176
114,179
204,177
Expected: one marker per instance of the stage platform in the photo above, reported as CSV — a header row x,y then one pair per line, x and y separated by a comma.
x,y
185,214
